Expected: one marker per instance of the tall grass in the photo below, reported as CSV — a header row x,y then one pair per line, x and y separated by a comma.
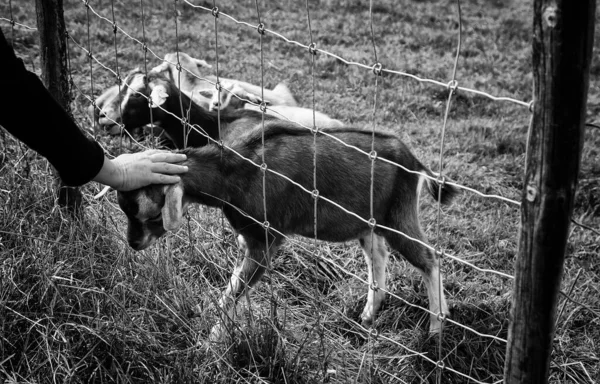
x,y
77,305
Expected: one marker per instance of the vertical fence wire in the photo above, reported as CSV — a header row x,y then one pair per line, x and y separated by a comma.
x,y
263,167
145,52
452,86
374,284
184,126
312,50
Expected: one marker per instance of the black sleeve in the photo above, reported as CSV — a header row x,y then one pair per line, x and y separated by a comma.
x,y
30,113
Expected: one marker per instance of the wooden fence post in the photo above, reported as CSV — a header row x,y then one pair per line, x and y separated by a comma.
x,y
563,33
55,74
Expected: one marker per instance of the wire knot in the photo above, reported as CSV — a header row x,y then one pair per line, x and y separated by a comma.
x,y
441,179
374,286
12,22
372,223
441,317
263,107
378,69
115,28
373,155
374,333
440,365
312,48
315,194
263,167
218,86
215,12
145,47
531,105
261,28
266,225
118,80
453,85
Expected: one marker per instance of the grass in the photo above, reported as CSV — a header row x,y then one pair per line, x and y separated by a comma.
x,y
77,305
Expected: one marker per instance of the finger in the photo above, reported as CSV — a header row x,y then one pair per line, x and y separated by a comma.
x,y
168,157
166,179
169,168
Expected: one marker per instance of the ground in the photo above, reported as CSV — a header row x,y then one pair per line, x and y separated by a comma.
x,y
77,305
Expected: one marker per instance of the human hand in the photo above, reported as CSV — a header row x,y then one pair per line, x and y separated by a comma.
x,y
131,171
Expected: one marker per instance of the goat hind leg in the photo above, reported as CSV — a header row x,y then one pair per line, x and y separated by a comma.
x,y
427,263
376,256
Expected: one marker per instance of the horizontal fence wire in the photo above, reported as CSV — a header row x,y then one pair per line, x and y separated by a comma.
x,y
452,86
436,364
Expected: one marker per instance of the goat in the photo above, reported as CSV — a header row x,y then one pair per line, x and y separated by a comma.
x,y
223,179
107,111
201,90
170,106
226,99
102,111
188,78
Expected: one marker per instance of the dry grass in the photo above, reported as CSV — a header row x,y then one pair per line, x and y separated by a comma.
x,y
77,305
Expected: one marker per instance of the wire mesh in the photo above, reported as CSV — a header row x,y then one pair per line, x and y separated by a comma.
x,y
379,70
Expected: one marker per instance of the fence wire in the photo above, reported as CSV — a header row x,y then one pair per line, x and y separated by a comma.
x,y
452,86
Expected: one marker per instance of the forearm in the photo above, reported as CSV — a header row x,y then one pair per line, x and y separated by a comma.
x,y
32,115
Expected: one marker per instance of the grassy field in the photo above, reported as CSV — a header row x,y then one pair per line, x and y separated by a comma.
x,y
77,305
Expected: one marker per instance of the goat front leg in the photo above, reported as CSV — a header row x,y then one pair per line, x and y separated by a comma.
x,y
376,256
246,274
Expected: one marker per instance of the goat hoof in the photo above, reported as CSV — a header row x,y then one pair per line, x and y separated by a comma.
x,y
367,321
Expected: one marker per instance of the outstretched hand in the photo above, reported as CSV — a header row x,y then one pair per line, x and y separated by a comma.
x,y
131,171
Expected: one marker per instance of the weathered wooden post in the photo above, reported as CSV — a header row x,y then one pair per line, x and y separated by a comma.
x,y
55,74
563,33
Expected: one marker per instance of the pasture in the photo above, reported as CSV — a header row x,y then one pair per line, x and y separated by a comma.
x,y
78,305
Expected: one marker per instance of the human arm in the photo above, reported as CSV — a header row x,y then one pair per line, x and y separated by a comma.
x,y
30,113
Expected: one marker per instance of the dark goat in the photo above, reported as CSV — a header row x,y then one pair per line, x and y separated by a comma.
x,y
170,107
223,179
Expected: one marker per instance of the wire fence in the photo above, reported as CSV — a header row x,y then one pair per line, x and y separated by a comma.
x,y
259,26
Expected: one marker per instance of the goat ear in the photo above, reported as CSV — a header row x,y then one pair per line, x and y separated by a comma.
x,y
201,63
158,96
172,211
161,67
205,93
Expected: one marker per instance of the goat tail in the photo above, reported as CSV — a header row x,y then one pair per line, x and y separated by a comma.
x,y
446,193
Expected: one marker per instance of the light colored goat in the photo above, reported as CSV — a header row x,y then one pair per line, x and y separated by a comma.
x,y
225,180
190,79
170,106
233,96
107,110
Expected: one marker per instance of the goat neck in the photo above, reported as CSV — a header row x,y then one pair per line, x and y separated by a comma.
x,y
204,181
